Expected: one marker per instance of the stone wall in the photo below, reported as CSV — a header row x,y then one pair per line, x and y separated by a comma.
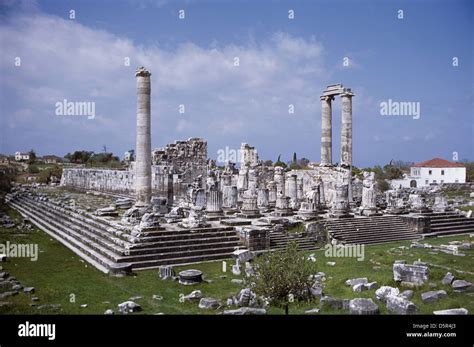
x,y
115,181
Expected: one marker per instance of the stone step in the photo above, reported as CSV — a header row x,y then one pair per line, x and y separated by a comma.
x,y
154,245
97,260
226,248
75,218
183,231
96,248
147,265
183,247
462,229
188,237
376,229
448,223
99,237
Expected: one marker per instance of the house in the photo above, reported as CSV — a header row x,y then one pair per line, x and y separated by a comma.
x,y
434,171
19,156
51,159
129,155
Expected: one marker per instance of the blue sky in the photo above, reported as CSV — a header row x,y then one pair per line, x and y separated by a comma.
x,y
282,62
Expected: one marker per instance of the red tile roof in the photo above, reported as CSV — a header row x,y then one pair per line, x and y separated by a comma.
x,y
438,162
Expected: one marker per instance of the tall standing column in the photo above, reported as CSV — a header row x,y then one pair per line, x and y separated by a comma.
x,y
346,128
143,142
326,131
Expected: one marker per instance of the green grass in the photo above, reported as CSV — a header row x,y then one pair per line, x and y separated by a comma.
x,y
466,208
59,273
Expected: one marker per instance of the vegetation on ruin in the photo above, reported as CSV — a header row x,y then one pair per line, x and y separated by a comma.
x,y
283,277
58,273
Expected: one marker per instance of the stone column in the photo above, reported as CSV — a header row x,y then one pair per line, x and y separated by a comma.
x,y
299,192
346,128
272,192
262,198
279,178
326,131
143,141
292,190
214,201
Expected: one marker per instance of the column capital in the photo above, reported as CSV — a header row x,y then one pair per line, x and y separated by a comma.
x,y
347,93
142,72
326,98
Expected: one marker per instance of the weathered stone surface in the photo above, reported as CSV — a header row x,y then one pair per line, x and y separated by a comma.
x,y
246,297
107,211
407,294
209,303
360,287
150,221
129,307
410,273
109,312
448,278
166,272
195,295
372,285
190,277
29,290
461,286
383,292
452,311
314,310
236,281
433,296
316,291
8,294
363,306
354,281
245,311
336,304
400,305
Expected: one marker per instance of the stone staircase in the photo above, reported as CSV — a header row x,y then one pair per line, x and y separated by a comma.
x,y
107,247
279,240
370,230
449,223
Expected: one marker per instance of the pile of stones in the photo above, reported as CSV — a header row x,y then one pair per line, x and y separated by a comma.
x,y
5,221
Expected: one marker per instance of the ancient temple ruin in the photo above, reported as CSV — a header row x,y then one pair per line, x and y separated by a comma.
x,y
173,205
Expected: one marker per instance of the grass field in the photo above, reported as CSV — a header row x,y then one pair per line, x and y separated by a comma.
x,y
59,275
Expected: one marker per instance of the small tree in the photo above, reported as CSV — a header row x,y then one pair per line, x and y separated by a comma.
x,y
32,157
282,276
279,162
33,169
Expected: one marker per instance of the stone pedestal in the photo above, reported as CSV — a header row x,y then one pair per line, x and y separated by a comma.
x,y
214,204
282,207
249,207
272,193
308,211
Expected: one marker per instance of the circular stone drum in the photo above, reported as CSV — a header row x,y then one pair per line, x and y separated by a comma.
x,y
189,277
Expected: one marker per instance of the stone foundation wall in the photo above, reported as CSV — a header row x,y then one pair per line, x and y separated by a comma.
x,y
114,181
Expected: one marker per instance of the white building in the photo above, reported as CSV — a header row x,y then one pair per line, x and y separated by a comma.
x,y
434,171
22,156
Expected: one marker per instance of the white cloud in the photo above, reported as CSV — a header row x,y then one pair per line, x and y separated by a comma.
x,y
226,104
